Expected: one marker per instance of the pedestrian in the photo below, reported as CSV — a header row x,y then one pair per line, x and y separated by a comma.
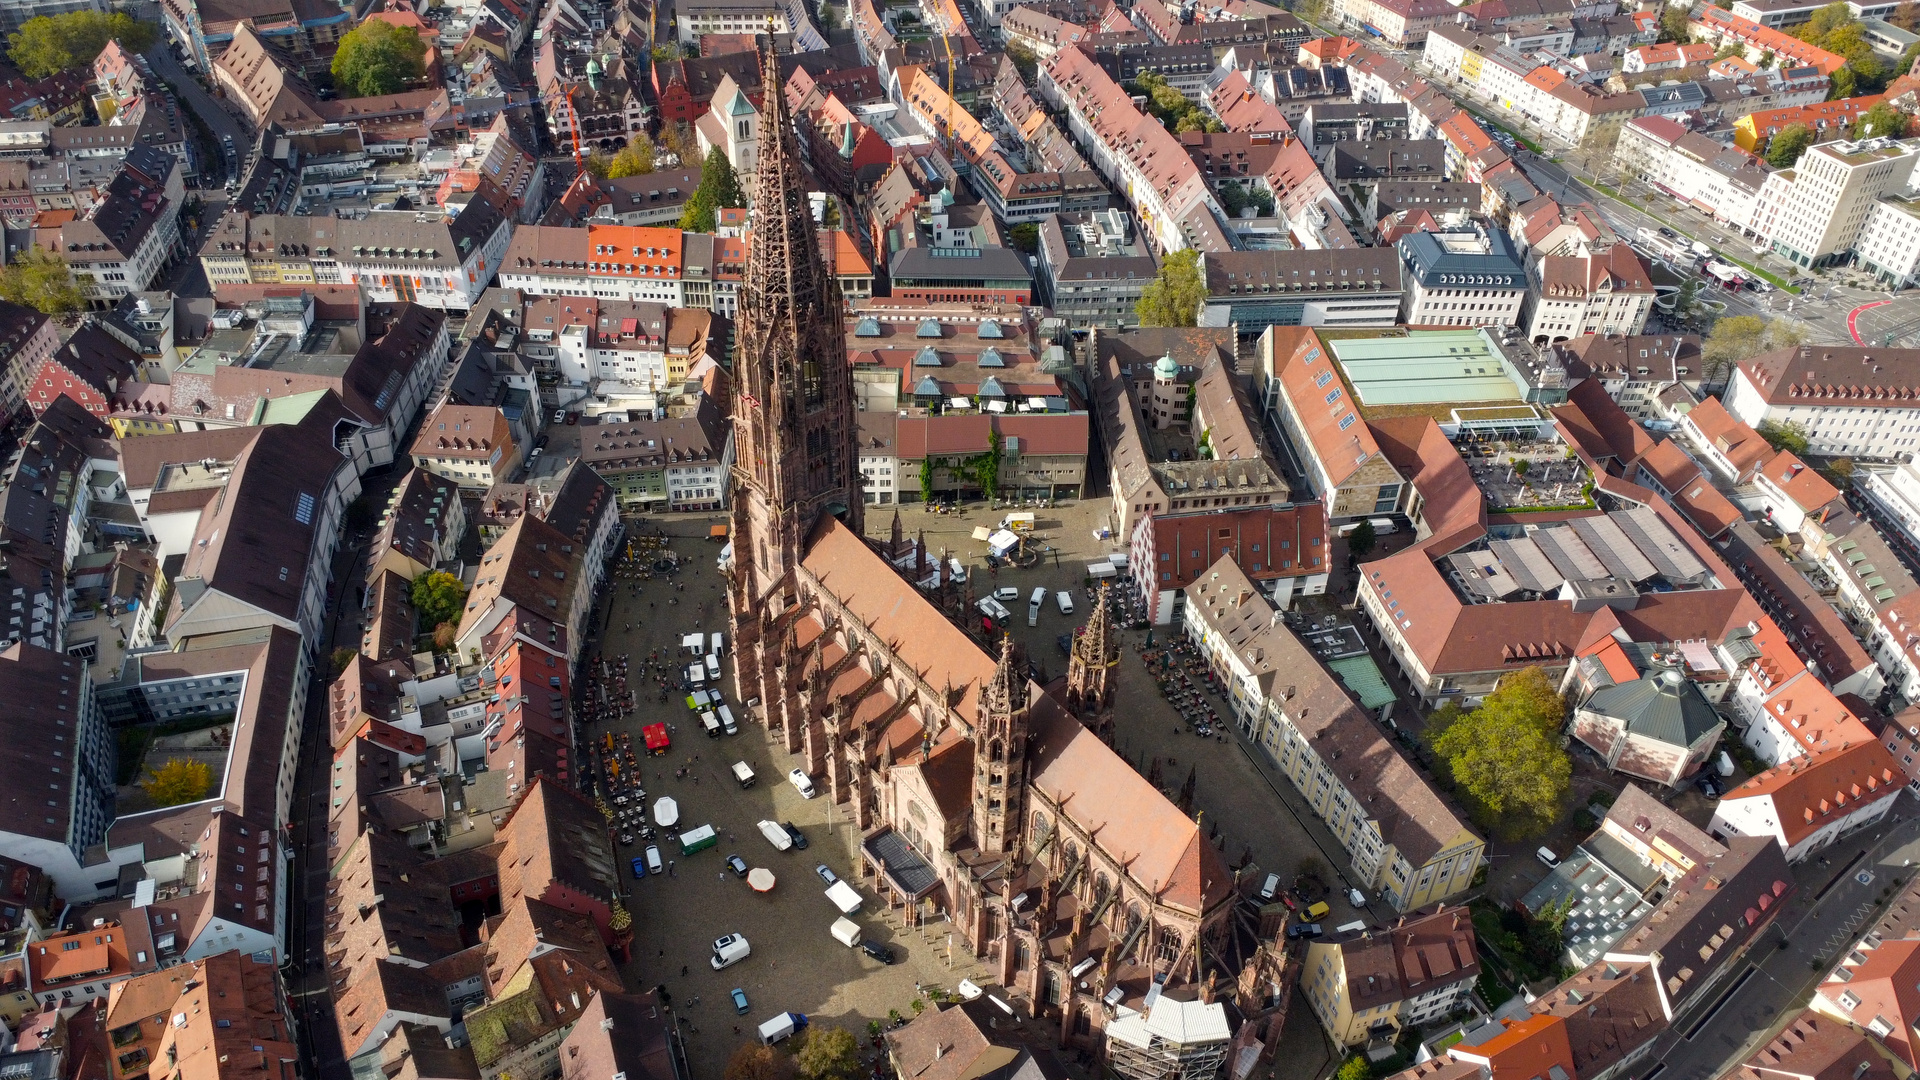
x,y
683,971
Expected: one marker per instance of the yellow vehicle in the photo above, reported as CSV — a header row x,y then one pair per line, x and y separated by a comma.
x,y
1314,912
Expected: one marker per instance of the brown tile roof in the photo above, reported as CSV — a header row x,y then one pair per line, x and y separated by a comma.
x,y
1810,790
1815,1047
626,1035
44,690
525,568
470,432
1610,1010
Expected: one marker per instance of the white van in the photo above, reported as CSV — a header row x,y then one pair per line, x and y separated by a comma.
x,y
711,723
653,859
1065,600
1547,857
726,721
729,950
1033,605
743,773
713,666
959,568
801,782
776,835
719,643
1270,889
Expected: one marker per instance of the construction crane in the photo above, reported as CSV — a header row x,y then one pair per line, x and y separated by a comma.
x,y
947,40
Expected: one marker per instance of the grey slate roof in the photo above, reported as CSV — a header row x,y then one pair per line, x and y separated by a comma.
x,y
1664,706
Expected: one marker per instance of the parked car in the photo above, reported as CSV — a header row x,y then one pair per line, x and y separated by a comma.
x,y
738,865
826,875
1708,784
877,951
740,1001
1304,930
559,416
1006,594
801,782
639,868
799,838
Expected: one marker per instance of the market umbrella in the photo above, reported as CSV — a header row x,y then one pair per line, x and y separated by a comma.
x,y
665,811
761,879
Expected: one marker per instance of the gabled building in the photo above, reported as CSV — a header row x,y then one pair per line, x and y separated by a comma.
x,y
1808,802
1367,986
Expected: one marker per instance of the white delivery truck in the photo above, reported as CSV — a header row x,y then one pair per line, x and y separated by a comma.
x,y
1383,526
776,835
781,1026
845,931
1019,521
743,773
1033,605
711,723
844,897
719,643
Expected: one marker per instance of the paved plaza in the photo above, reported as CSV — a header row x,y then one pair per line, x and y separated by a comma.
x,y
795,964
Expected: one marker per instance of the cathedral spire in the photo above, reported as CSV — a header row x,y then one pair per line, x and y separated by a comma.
x,y
796,435
1006,692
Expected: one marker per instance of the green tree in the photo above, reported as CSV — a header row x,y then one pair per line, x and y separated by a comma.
x,y
828,1053
1906,17
1824,22
342,657
635,160
1024,61
1505,757
178,781
597,163
438,597
378,58
1233,197
1354,1068
1788,436
41,280
50,44
1173,297
1786,147
719,187
1361,540
926,480
1881,120
1674,25
1740,337
1025,237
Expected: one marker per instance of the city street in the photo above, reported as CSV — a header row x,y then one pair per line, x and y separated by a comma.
x,y
1840,895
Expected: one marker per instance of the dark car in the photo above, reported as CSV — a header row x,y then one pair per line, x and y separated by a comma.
x,y
1708,784
738,865
877,951
1304,930
799,838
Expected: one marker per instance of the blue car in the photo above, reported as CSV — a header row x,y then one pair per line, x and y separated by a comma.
x,y
639,868
740,1001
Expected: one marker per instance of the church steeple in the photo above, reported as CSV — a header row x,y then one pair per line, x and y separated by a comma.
x,y
797,457
1000,754
1090,670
